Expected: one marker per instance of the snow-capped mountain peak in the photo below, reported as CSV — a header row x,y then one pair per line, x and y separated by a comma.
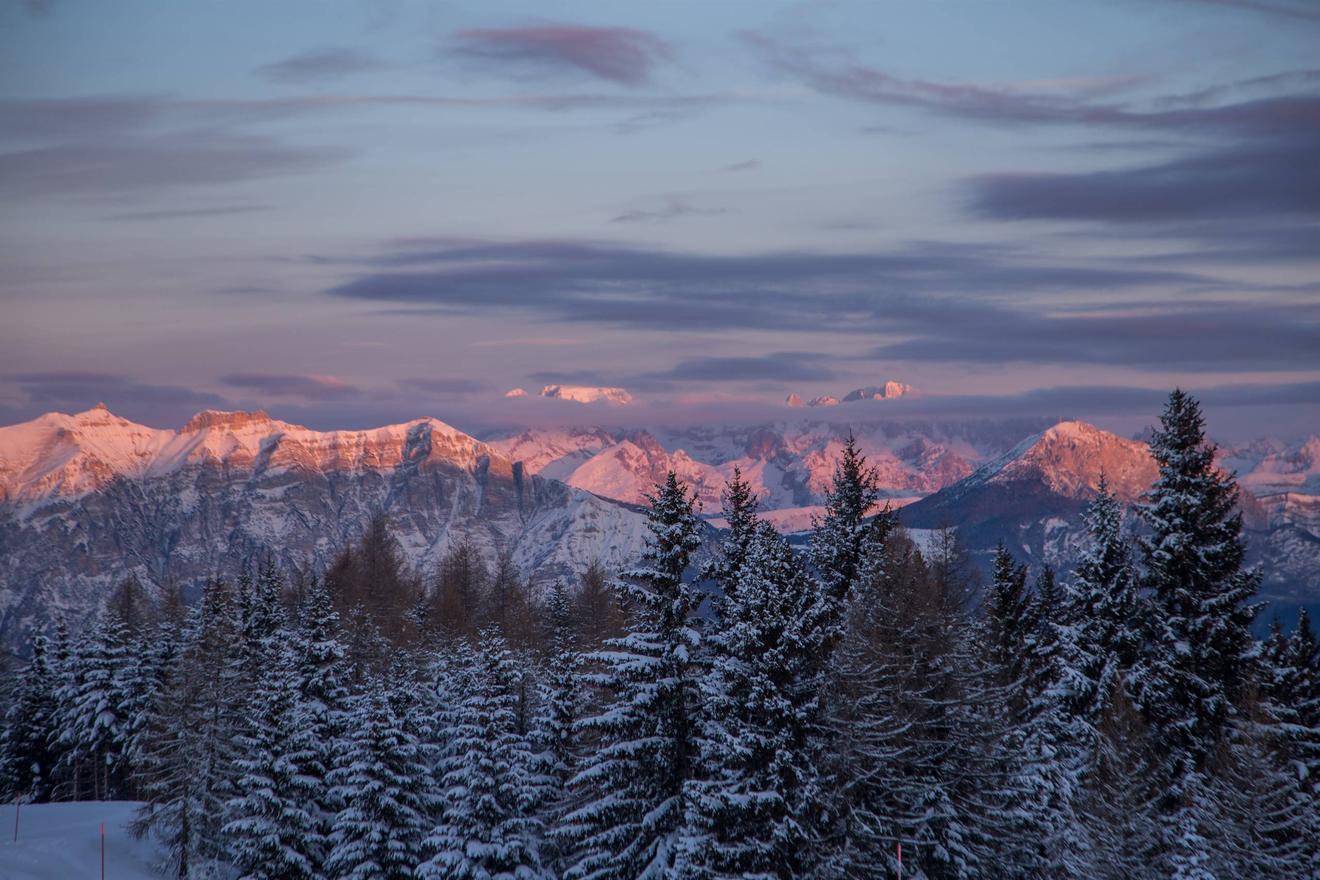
x,y
587,394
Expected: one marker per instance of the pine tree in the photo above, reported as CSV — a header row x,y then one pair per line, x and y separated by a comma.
x,y
27,759
91,701
839,537
739,508
1199,647
377,835
1102,605
317,716
1008,615
489,787
751,815
188,747
634,779
275,831
561,698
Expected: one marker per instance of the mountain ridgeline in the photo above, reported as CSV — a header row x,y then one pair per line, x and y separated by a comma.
x,y
859,708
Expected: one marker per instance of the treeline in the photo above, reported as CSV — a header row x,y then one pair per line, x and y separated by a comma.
x,y
769,714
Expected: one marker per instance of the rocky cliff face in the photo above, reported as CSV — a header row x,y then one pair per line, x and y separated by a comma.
x,y
91,498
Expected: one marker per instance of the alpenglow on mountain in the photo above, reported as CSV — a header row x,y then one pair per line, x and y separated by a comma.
x,y
88,499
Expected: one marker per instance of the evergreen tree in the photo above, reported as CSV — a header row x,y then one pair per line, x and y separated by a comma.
x,y
1009,616
489,789
317,718
377,835
751,815
739,508
1199,647
90,710
634,780
1102,606
839,537
188,746
275,832
27,758
562,701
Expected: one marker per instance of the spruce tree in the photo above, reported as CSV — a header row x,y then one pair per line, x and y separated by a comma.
x,y
489,787
1009,615
739,508
839,537
751,814
91,710
188,748
377,835
634,779
1102,606
1199,645
275,832
27,758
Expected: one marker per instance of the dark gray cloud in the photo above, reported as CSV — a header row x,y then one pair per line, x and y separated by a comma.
x,y
319,65
188,213
292,385
621,55
1241,336
76,390
938,302
782,366
1251,180
147,164
610,283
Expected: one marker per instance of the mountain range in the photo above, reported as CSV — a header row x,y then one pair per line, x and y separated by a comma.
x,y
87,499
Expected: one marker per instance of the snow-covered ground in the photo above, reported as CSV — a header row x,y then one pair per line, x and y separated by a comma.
x,y
63,842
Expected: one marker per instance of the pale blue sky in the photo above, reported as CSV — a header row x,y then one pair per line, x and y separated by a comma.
x,y
355,212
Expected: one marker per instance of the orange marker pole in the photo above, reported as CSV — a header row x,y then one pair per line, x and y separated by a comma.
x,y
102,851
18,802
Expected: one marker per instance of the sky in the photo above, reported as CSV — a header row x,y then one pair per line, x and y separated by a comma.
x,y
365,211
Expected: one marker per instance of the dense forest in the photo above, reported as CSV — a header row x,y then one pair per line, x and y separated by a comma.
x,y
766,712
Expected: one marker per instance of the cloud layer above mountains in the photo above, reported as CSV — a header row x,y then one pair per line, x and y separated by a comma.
x,y
382,209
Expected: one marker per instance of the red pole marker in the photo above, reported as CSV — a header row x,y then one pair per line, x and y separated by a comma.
x,y
900,860
18,802
102,851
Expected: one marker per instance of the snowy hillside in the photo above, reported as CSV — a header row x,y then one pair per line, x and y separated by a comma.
x,y
63,842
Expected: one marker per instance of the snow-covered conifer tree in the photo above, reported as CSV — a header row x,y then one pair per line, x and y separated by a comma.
x,y
27,759
489,785
751,814
634,778
275,831
377,834
1200,644
188,745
